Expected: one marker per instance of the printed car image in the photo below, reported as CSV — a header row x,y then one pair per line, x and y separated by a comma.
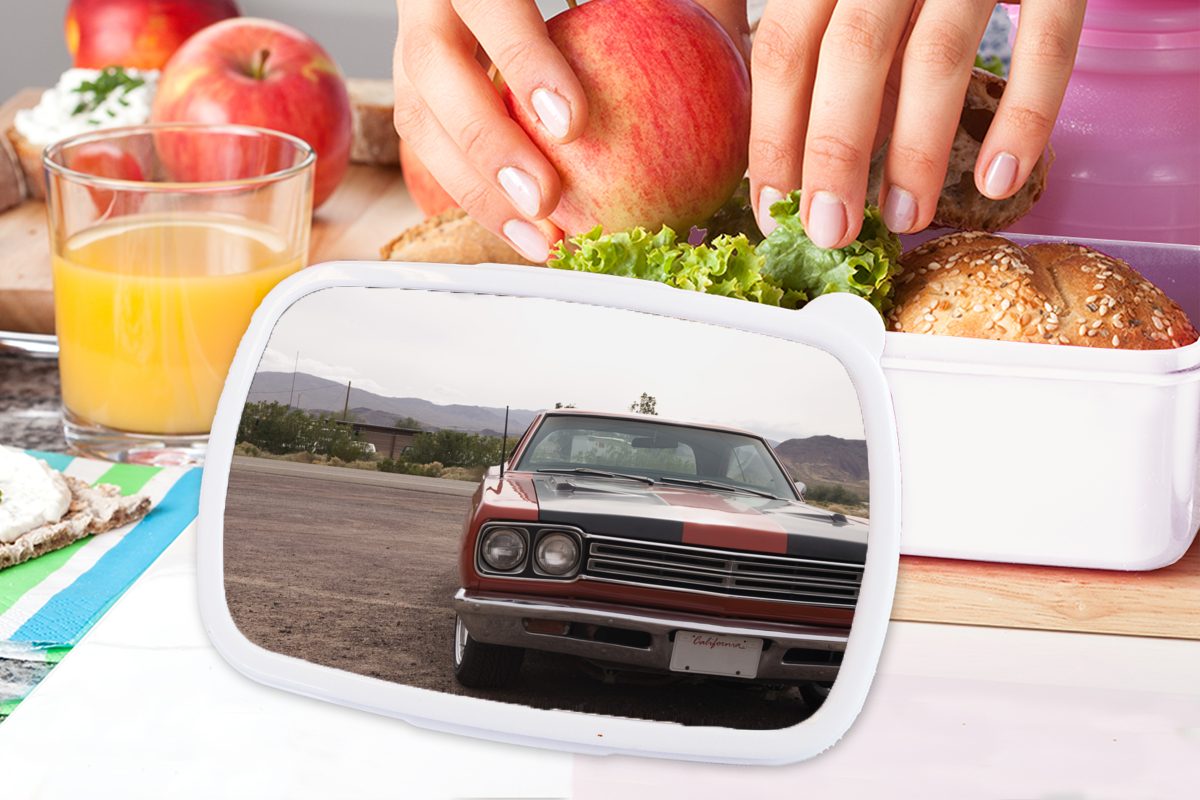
x,y
588,519
642,545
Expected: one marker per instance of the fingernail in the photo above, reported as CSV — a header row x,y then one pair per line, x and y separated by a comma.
x,y
826,219
522,189
1001,175
553,111
767,197
528,240
899,210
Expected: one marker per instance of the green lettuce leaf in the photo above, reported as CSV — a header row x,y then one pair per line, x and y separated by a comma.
x,y
728,265
864,267
992,64
786,269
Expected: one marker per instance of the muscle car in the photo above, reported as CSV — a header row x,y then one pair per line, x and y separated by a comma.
x,y
639,544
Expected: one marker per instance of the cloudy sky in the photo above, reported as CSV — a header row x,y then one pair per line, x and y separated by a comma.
x,y
531,353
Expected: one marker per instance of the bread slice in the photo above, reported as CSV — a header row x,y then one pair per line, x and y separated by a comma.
x,y
12,176
960,204
451,238
29,155
375,139
986,287
93,510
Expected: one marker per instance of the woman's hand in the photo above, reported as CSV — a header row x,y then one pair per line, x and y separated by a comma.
x,y
834,78
448,110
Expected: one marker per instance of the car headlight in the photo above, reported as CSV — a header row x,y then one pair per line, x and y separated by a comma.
x,y
557,554
503,549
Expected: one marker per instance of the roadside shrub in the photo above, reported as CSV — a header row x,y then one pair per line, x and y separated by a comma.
x,y
432,470
454,449
462,473
247,449
276,428
832,493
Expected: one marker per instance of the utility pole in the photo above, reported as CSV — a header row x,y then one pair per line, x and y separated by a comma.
x,y
292,392
346,407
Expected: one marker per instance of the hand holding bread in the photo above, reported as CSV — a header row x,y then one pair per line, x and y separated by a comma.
x,y
831,80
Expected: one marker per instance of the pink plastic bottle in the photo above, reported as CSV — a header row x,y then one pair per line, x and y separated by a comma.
x,y
1128,136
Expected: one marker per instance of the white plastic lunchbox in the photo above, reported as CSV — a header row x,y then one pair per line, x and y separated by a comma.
x,y
1036,454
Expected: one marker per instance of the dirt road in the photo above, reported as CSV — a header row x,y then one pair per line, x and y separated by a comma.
x,y
357,572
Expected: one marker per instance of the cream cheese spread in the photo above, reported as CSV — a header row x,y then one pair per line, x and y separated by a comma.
x,y
31,494
87,100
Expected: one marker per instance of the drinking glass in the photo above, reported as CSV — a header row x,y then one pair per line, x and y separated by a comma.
x,y
164,239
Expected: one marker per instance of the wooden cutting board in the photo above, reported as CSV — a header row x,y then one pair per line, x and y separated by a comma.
x,y
26,303
368,210
372,206
1163,602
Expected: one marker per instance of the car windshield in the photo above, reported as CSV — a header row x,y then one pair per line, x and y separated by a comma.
x,y
681,455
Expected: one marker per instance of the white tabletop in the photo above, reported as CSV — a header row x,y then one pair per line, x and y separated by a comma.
x,y
144,707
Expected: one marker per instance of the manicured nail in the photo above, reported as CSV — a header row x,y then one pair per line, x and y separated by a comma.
x,y
1001,175
767,197
899,210
826,219
528,240
553,111
522,189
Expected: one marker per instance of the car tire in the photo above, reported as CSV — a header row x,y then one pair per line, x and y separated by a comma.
x,y
814,694
478,665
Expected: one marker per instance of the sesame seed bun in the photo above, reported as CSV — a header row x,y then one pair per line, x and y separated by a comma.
x,y
985,287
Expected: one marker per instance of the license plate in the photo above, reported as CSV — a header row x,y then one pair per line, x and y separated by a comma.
x,y
714,654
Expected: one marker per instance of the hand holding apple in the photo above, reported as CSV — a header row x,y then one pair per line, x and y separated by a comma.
x,y
668,98
426,192
614,113
142,34
266,74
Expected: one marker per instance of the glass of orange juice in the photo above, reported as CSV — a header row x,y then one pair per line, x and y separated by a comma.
x,y
164,238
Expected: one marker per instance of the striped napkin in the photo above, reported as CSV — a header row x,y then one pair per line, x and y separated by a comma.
x,y
48,603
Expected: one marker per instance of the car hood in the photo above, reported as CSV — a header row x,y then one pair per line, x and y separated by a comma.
x,y
700,517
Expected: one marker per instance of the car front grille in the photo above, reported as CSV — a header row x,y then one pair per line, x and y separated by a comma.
x,y
798,580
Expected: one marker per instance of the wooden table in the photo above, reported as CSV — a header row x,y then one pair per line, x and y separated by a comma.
x,y
1163,602
372,206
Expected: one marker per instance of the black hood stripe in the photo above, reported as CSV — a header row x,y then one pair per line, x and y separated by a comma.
x,y
620,525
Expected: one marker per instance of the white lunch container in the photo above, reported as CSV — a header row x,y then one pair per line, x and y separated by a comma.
x,y
1060,455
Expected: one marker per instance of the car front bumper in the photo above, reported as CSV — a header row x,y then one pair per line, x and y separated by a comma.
x,y
790,652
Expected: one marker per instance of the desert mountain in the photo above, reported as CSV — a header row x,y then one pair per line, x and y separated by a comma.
x,y
320,394
826,460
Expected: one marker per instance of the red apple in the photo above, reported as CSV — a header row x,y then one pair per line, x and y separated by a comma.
x,y
107,160
668,115
263,73
428,194
137,33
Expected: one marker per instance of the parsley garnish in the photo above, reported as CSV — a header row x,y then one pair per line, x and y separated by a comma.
x,y
112,79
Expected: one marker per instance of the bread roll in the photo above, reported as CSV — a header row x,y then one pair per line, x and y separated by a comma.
x,y
960,205
12,177
375,139
985,287
451,238
29,155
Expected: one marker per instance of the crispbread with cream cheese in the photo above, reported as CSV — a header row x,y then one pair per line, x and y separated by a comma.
x,y
92,510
